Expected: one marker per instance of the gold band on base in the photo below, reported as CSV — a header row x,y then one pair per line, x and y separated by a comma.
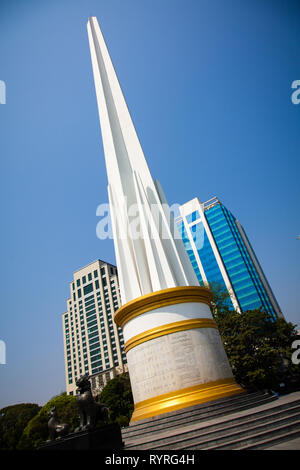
x,y
159,299
184,398
174,327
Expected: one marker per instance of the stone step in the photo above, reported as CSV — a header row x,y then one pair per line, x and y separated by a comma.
x,y
236,433
186,418
206,409
196,418
200,417
269,442
196,436
277,434
208,406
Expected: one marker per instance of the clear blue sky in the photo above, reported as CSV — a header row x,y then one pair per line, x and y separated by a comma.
x,y
208,84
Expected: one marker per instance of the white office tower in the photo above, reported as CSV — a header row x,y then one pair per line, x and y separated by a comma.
x,y
174,352
93,343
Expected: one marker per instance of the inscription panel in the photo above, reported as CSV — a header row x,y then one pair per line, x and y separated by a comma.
x,y
177,361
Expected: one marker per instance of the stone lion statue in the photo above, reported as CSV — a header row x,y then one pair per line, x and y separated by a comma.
x,y
89,410
56,429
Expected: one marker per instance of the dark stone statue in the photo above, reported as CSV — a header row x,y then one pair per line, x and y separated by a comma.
x,y
108,436
56,430
89,410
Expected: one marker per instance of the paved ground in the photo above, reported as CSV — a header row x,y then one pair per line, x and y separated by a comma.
x,y
289,445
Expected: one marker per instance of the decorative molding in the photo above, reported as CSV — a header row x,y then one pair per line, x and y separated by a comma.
x,y
168,329
185,398
162,298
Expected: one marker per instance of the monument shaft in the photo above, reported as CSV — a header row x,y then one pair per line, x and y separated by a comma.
x,y
175,355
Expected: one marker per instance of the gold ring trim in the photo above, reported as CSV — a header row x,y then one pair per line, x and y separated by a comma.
x,y
162,298
185,398
168,329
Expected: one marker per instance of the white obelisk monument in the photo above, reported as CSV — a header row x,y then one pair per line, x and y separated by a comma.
x,y
175,355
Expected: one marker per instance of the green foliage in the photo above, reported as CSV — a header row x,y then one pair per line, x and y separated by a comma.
x,y
117,396
36,431
13,420
221,299
258,348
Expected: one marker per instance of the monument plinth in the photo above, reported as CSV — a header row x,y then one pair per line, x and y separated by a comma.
x,y
175,355
103,438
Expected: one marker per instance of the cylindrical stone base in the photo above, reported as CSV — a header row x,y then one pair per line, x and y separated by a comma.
x,y
175,355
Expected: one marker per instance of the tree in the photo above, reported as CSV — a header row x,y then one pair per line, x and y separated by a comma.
x,y
117,396
258,347
36,431
221,300
13,420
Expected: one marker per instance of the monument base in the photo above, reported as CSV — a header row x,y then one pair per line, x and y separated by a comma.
x,y
175,355
185,398
105,437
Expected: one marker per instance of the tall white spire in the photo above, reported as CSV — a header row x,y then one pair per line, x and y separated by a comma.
x,y
174,351
156,259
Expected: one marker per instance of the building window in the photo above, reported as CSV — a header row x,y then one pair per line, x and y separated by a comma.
x,y
84,280
89,277
78,282
192,217
95,274
87,289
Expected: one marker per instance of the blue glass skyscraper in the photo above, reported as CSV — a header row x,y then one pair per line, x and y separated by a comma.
x,y
220,253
